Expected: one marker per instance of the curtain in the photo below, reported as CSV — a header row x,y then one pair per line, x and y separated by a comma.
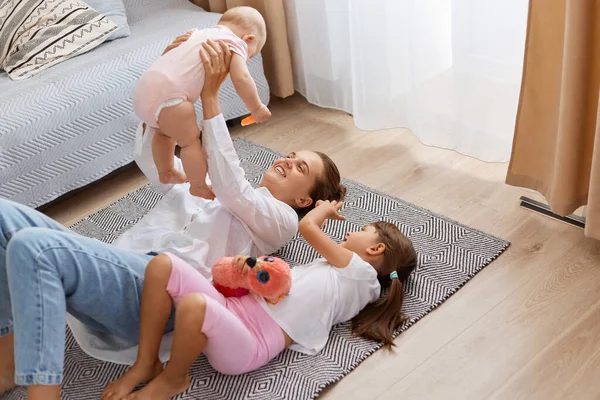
x,y
449,70
276,53
556,148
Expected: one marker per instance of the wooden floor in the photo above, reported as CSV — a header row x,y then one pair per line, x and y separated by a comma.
x,y
527,327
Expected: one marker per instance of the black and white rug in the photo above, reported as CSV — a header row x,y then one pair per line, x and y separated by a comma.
x,y
450,254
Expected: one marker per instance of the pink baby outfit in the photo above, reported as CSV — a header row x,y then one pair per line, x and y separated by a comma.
x,y
242,337
179,74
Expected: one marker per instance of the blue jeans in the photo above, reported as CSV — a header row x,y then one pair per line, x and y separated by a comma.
x,y
47,271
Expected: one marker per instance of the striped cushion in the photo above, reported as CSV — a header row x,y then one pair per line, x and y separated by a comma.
x,y
36,34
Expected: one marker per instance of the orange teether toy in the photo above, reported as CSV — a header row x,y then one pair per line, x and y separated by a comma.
x,y
248,121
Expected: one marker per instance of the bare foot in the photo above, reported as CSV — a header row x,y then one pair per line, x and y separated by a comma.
x,y
6,384
162,387
137,374
202,191
172,176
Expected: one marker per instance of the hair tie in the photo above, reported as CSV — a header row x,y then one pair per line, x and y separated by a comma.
x,y
394,275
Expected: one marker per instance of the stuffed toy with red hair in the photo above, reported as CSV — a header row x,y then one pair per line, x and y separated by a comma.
x,y
268,277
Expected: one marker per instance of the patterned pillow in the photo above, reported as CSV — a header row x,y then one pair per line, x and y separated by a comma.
x,y
36,34
115,11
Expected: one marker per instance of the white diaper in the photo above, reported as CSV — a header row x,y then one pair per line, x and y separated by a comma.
x,y
167,103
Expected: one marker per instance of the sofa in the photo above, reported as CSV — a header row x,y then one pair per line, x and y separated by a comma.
x,y
73,123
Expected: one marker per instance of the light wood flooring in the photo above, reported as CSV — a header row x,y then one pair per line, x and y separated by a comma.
x,y
526,327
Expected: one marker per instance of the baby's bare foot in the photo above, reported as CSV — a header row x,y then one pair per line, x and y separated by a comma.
x,y
173,176
161,388
202,191
137,374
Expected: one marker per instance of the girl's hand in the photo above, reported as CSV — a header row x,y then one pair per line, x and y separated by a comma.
x,y
309,228
178,40
216,58
331,209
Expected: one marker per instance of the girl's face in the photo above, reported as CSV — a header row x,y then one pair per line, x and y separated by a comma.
x,y
291,179
362,240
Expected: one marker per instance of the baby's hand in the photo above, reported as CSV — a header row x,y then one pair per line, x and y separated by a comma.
x,y
261,115
331,209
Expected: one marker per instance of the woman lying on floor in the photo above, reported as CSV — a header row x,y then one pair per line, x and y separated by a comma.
x,y
240,335
47,271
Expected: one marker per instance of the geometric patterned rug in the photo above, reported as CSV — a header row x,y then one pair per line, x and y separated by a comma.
x,y
450,254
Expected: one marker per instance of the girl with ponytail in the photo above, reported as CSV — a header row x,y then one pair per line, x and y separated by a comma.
x,y
345,283
380,319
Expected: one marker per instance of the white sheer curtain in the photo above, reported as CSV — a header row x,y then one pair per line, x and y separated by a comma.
x,y
449,70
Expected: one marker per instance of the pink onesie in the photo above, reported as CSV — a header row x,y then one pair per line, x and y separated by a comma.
x,y
179,74
241,336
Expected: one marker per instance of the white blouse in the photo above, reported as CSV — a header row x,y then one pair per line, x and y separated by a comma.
x,y
242,220
321,297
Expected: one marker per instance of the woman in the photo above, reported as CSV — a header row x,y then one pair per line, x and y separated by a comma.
x,y
47,271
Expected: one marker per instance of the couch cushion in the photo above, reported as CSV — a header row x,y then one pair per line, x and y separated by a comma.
x,y
115,11
36,34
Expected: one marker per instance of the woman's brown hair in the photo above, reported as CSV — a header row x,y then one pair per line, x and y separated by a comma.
x,y
379,320
328,186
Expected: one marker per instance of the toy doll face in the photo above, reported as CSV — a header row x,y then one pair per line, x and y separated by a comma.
x,y
262,273
259,266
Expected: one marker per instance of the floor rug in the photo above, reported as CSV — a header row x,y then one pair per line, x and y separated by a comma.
x,y
450,254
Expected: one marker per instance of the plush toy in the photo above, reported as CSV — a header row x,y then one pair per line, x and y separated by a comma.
x,y
268,277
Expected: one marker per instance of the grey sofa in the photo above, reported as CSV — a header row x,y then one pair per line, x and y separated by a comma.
x,y
74,123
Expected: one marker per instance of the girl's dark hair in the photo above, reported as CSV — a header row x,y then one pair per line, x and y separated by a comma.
x,y
328,186
379,320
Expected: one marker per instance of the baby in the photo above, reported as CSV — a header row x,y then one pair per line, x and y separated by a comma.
x,y
165,94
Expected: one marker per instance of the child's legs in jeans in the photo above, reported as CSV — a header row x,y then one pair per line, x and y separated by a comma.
x,y
50,272
13,218
179,123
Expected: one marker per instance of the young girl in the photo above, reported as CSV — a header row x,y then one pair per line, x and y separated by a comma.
x,y
165,94
239,335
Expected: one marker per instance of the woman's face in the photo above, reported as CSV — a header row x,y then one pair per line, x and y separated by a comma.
x,y
291,179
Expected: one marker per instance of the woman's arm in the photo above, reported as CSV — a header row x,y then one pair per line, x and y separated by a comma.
x,y
271,221
216,59
310,229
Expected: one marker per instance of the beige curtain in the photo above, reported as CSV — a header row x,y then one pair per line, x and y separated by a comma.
x,y
276,53
556,149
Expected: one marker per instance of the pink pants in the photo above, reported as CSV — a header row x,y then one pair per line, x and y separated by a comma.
x,y
242,337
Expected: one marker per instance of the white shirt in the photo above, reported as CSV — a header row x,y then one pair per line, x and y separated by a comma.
x,y
242,220
321,297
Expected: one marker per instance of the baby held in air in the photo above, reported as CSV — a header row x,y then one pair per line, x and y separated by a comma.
x,y
165,94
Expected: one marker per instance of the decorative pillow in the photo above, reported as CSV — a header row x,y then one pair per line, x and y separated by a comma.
x,y
115,11
36,34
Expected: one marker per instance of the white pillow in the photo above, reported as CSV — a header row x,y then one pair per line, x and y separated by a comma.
x,y
36,34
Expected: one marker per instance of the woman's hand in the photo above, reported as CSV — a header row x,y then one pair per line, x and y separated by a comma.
x,y
216,58
178,40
